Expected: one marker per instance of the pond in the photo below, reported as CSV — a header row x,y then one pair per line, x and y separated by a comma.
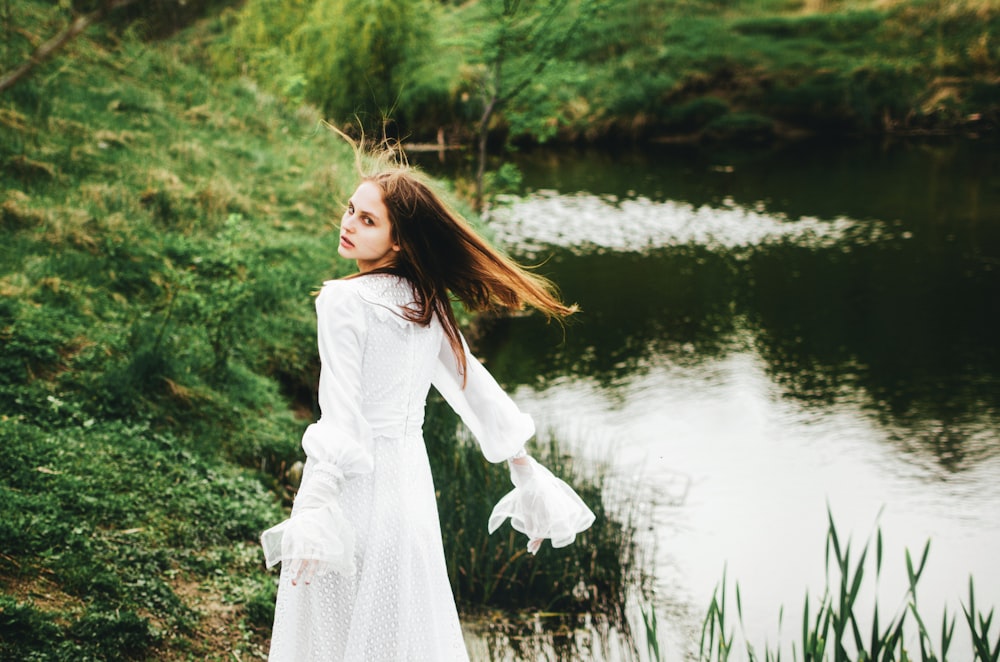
x,y
766,338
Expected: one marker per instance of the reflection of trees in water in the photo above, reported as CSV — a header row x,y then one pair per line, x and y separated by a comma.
x,y
925,182
911,323
634,307
913,326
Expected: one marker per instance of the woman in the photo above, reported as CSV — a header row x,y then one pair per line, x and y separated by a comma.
x,y
363,575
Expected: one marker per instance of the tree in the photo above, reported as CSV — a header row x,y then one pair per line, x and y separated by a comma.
x,y
519,40
358,54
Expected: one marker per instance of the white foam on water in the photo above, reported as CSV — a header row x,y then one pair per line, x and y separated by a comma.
x,y
582,220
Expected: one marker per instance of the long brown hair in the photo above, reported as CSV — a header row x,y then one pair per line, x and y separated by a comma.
x,y
443,257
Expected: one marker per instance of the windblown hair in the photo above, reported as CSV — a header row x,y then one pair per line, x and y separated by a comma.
x,y
443,257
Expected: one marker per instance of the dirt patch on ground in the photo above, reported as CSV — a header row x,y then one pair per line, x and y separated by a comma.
x,y
219,634
39,590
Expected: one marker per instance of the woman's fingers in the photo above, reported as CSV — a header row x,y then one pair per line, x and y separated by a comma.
x,y
303,570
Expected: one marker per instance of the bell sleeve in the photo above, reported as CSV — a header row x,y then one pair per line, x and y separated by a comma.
x,y
541,505
336,446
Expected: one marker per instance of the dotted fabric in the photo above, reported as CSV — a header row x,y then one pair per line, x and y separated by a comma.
x,y
399,605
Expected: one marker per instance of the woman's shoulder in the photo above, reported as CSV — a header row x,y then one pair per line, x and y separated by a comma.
x,y
382,291
341,289
380,287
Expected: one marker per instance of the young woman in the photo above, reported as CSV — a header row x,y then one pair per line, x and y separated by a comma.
x,y
363,570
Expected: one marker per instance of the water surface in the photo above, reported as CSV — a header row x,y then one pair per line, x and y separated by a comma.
x,y
766,338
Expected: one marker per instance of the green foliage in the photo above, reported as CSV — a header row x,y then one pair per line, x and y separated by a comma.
x,y
352,58
693,115
847,68
834,28
29,634
512,50
740,129
359,55
109,514
505,179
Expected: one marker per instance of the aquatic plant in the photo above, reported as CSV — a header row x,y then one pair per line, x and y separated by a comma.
x,y
837,630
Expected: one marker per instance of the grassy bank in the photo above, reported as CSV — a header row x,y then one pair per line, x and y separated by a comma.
x,y
162,234
748,71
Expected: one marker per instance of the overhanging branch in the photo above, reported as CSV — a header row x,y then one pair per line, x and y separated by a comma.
x,y
50,47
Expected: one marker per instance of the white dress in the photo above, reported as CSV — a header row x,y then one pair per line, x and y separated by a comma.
x,y
366,514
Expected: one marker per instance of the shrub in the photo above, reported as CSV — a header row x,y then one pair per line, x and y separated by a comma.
x,y
742,128
695,114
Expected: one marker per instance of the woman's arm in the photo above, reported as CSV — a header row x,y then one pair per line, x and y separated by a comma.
x,y
540,505
317,538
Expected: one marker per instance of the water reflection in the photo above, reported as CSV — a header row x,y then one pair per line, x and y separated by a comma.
x,y
499,638
790,332
901,309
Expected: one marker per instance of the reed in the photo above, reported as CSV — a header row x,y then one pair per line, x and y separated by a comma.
x,y
836,631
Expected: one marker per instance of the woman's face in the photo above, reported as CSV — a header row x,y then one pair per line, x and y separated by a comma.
x,y
366,231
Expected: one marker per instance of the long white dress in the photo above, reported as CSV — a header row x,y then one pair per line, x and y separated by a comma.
x,y
366,513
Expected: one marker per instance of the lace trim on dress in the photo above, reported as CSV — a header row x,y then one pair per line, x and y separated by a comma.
x,y
389,295
318,533
322,536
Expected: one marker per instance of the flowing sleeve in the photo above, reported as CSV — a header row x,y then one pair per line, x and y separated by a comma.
x,y
541,505
337,446
494,420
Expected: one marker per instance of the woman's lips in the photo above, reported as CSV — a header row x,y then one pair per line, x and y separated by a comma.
x,y
346,243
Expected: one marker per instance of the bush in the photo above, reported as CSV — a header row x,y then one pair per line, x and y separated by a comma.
x,y
352,58
119,635
693,115
740,128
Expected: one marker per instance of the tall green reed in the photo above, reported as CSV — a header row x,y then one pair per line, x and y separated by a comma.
x,y
836,631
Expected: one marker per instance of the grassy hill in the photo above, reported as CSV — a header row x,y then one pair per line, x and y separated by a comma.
x,y
162,232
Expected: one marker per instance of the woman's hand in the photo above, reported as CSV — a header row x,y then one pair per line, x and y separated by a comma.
x,y
303,570
540,506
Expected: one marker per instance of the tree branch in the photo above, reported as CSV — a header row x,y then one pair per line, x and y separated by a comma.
x,y
49,48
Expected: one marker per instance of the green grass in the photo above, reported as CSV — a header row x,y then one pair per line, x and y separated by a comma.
x,y
593,575
106,525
